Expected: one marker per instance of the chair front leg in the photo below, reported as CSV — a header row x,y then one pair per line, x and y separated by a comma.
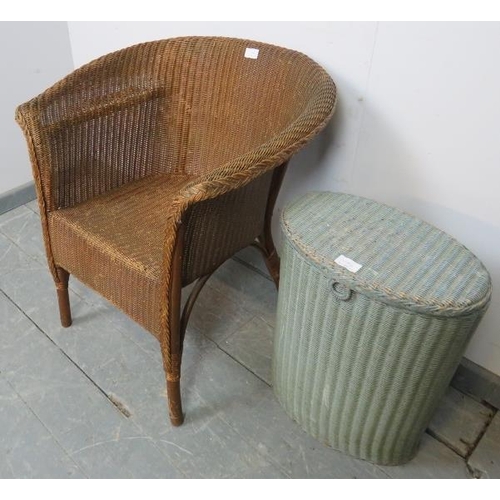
x,y
63,297
172,350
175,402
173,372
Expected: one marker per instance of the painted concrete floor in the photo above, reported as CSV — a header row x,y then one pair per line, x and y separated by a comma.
x,y
89,401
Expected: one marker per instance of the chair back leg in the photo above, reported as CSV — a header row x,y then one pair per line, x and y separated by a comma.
x,y
265,240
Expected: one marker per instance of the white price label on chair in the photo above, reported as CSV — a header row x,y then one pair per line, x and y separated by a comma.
x,y
251,53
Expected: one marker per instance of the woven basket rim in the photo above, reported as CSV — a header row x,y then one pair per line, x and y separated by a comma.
x,y
327,266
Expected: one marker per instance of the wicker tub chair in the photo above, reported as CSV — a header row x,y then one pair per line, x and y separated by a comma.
x,y
156,163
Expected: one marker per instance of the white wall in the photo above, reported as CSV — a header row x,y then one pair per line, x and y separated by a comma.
x,y
418,122
33,57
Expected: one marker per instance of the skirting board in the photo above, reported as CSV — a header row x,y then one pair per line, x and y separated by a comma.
x,y
17,197
478,382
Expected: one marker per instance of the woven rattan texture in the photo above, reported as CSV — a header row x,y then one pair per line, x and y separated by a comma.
x,y
116,226
218,227
164,135
405,261
361,374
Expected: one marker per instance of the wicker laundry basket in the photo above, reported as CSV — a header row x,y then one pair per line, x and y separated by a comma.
x,y
375,310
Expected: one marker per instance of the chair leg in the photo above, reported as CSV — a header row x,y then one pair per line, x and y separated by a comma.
x,y
173,372
265,240
270,257
172,354
175,402
63,297
173,369
178,323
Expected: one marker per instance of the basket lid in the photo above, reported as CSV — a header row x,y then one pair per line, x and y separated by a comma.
x,y
387,254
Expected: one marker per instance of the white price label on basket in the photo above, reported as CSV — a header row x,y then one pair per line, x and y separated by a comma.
x,y
348,263
251,53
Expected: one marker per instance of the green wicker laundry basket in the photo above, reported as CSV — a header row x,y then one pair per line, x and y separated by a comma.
x,y
375,310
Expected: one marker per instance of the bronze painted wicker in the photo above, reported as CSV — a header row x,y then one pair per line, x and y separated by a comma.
x,y
156,163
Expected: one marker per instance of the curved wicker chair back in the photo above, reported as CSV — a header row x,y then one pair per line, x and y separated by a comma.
x,y
156,163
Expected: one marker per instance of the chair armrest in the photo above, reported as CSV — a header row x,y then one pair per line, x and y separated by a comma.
x,y
107,105
279,149
87,139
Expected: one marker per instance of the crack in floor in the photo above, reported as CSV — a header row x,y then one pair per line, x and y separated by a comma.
x,y
474,473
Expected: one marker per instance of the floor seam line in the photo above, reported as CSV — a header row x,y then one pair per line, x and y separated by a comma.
x,y
120,331
266,456
45,426
87,376
31,257
441,440
100,389
242,365
256,270
481,435
235,331
29,208
14,242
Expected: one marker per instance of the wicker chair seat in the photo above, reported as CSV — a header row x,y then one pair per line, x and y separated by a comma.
x,y
118,226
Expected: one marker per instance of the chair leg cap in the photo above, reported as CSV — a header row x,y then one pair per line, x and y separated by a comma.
x,y
177,420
